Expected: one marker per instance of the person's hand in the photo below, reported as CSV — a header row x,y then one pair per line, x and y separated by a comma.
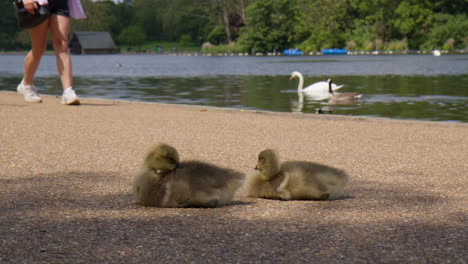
x,y
30,6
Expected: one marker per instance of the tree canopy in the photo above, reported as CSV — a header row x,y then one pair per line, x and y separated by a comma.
x,y
268,25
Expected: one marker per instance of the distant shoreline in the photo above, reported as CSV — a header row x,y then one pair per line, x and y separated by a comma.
x,y
350,53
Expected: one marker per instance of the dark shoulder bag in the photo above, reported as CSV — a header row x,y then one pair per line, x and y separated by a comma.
x,y
28,20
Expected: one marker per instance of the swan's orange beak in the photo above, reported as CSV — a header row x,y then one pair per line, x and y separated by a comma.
x,y
290,78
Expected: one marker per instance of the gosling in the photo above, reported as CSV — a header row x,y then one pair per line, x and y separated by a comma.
x,y
294,180
165,182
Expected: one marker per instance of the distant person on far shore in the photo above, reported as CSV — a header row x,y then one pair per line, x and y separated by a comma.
x,y
58,23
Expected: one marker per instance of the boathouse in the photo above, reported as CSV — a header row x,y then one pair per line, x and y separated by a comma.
x,y
92,43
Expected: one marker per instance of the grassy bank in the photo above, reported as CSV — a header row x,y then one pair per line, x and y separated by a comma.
x,y
160,47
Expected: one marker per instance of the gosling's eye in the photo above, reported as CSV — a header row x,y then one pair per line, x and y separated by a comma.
x,y
171,160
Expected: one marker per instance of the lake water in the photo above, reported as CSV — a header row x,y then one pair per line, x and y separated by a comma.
x,y
417,87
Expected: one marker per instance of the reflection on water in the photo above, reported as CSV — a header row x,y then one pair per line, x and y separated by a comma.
x,y
324,105
439,97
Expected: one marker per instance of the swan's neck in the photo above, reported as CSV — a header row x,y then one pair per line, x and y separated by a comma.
x,y
301,83
330,90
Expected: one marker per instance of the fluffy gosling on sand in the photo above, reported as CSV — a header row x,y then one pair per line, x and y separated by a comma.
x,y
165,182
294,180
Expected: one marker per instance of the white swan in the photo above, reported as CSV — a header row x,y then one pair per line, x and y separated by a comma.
x,y
316,90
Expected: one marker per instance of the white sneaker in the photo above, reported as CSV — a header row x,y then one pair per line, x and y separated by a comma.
x,y
69,97
29,93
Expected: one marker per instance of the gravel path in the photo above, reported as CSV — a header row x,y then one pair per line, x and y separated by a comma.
x,y
66,173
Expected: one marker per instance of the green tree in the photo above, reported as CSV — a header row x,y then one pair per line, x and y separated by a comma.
x,y
8,26
132,35
270,25
371,23
23,39
232,16
321,24
105,16
100,16
413,20
450,6
448,27
147,14
266,25
124,14
193,20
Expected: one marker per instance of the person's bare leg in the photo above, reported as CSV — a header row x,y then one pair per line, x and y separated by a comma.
x,y
60,28
38,37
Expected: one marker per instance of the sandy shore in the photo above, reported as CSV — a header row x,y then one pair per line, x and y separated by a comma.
x,y
66,172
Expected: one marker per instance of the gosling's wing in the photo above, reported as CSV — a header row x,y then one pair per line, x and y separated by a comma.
x,y
204,175
308,170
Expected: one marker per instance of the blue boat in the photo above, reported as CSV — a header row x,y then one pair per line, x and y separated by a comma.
x,y
292,52
334,51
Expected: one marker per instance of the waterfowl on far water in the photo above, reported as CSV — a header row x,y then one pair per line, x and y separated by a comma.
x,y
335,98
318,90
165,182
294,180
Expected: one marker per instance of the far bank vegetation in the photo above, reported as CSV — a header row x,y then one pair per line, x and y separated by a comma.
x,y
249,26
